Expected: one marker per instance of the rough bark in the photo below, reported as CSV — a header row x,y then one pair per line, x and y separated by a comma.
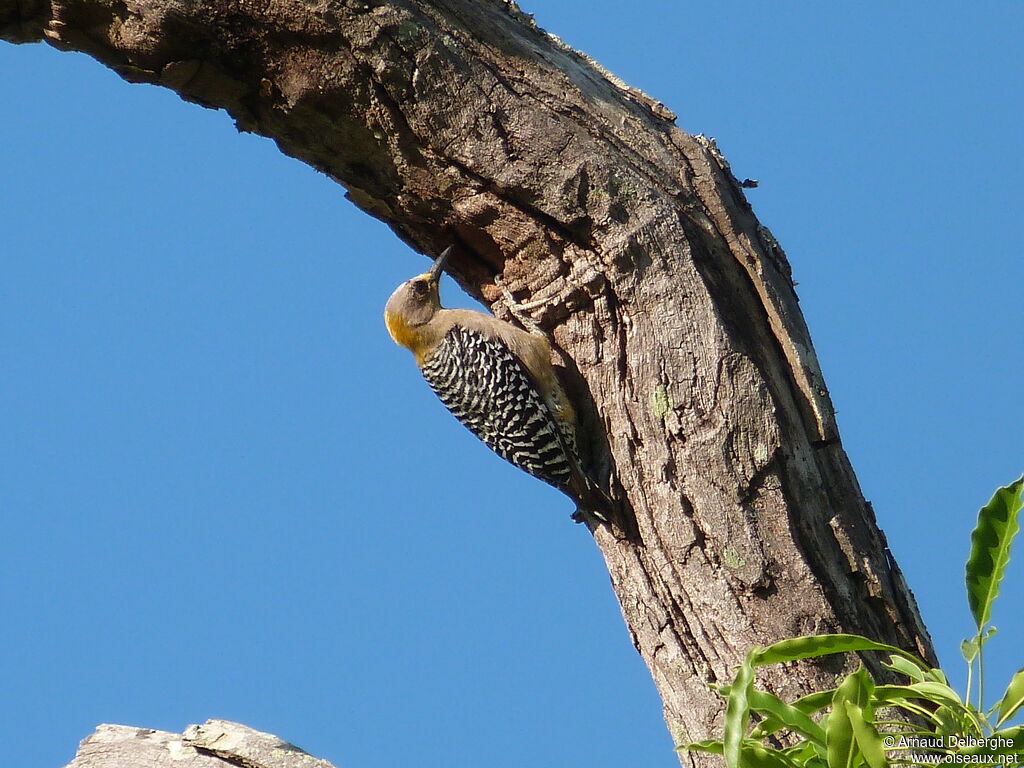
x,y
624,237
214,744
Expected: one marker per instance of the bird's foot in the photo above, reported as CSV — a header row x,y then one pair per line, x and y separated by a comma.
x,y
519,311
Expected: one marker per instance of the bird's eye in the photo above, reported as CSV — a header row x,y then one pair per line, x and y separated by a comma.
x,y
419,286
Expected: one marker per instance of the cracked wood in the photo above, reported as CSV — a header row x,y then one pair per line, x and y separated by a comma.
x,y
673,308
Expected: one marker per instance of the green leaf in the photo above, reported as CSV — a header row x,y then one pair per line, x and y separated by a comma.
x,y
737,711
948,722
1014,738
969,649
787,715
1008,741
972,647
1012,699
812,702
810,646
907,704
868,740
906,667
752,754
990,549
841,746
947,700
804,753
815,701
756,756
937,692
710,746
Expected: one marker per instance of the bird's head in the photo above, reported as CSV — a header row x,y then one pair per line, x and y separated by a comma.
x,y
414,304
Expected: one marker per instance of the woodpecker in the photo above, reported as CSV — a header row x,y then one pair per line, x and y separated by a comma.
x,y
498,381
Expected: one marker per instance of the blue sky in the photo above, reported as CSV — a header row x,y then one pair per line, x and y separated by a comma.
x,y
226,493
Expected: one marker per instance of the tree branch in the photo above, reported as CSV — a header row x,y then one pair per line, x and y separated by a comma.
x,y
461,121
214,744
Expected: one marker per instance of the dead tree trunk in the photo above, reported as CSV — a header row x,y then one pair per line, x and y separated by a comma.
x,y
629,240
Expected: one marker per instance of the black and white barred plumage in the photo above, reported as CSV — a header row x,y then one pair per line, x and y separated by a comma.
x,y
489,390
498,380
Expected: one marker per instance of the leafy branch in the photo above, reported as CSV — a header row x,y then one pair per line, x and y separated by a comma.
x,y
842,728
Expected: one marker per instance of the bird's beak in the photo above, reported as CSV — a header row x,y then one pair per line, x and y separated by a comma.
x,y
435,271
